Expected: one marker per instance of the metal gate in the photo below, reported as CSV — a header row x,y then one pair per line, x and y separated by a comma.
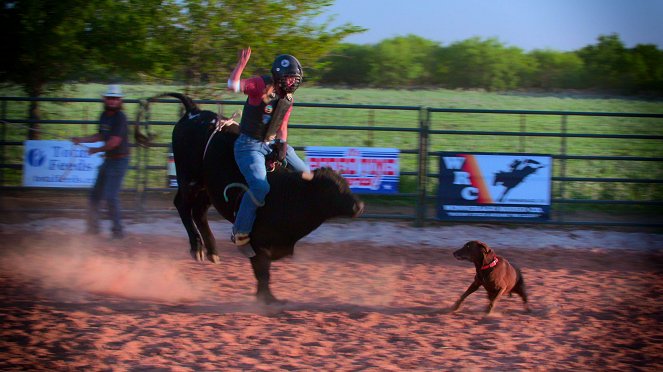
x,y
605,164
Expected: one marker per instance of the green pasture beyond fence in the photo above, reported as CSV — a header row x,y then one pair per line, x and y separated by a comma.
x,y
605,163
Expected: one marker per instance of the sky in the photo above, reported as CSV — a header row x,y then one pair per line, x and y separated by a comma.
x,y
562,25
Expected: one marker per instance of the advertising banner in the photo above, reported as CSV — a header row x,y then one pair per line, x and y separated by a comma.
x,y
476,186
368,170
59,164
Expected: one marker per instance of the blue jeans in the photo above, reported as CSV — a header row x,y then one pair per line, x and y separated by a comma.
x,y
107,187
250,157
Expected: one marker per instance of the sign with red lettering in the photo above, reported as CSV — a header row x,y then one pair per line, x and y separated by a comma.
x,y
368,170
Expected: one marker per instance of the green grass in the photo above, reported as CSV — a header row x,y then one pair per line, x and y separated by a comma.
x,y
410,119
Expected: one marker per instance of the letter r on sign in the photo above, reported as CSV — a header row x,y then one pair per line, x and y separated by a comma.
x,y
462,178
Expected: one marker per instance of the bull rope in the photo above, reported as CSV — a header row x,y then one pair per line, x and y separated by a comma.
x,y
219,127
246,189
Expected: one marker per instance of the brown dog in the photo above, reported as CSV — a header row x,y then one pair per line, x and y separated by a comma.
x,y
494,273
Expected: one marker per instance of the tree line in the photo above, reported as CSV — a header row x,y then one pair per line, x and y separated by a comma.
x,y
475,63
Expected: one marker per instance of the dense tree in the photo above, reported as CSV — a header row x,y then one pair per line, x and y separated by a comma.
x,y
476,63
123,38
555,70
647,68
51,41
348,64
213,31
607,64
48,41
402,61
40,44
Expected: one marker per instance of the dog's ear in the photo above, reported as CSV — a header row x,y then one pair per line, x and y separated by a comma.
x,y
484,246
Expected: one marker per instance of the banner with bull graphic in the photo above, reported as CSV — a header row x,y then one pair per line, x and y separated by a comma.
x,y
478,186
52,163
368,170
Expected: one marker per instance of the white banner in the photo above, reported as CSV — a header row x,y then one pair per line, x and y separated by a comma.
x,y
59,164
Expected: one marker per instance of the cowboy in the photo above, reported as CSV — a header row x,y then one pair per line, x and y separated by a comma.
x,y
113,131
263,134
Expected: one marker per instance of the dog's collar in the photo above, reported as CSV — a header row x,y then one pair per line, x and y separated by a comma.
x,y
492,264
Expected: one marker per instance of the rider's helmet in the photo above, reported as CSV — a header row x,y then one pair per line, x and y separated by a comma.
x,y
285,66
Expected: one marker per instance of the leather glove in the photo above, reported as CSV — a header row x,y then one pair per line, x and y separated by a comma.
x,y
277,155
279,149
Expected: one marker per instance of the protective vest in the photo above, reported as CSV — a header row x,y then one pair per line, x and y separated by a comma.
x,y
263,121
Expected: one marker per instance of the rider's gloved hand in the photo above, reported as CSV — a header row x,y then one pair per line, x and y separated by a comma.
x,y
280,148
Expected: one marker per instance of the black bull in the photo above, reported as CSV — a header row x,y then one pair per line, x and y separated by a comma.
x,y
295,206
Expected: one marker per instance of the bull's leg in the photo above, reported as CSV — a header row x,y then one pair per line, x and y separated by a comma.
x,y
261,264
200,208
184,205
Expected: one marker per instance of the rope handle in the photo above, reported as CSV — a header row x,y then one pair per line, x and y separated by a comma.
x,y
246,189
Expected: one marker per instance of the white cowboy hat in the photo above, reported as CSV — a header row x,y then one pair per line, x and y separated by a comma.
x,y
114,90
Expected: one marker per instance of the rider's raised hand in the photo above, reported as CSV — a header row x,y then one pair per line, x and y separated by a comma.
x,y
244,56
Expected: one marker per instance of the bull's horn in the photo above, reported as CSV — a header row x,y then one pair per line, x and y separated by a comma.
x,y
308,176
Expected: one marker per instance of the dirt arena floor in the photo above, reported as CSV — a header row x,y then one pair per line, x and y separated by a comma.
x,y
362,296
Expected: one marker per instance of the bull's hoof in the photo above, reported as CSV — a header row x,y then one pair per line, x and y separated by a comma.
x,y
214,258
269,299
198,255
246,250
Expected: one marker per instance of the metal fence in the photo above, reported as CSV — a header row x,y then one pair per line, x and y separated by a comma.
x,y
607,166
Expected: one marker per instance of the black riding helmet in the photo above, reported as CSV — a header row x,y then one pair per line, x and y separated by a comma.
x,y
286,65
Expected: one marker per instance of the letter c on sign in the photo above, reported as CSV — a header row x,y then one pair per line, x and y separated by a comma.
x,y
470,193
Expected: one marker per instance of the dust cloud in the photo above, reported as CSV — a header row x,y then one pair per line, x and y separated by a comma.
x,y
78,268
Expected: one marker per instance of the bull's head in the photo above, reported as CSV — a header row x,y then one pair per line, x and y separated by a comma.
x,y
333,193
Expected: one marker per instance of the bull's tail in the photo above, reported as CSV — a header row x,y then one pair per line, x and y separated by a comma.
x,y
188,103
143,115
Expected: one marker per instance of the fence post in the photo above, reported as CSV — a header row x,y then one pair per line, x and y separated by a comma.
x,y
369,133
562,169
4,139
141,168
422,174
523,129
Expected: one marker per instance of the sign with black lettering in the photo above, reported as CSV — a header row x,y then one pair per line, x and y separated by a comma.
x,y
52,163
479,186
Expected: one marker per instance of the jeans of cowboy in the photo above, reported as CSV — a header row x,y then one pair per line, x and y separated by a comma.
x,y
250,157
107,187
